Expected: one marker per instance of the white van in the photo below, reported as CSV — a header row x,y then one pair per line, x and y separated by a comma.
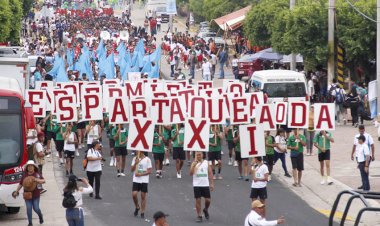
x,y
280,85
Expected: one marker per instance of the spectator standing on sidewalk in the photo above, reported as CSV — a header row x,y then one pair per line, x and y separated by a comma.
x,y
223,57
213,61
362,155
94,167
257,216
235,69
206,70
339,95
296,143
322,141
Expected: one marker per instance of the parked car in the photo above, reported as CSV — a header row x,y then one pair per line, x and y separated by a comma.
x,y
246,62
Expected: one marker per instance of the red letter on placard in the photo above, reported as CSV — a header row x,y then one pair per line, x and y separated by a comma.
x,y
211,110
140,133
197,131
138,91
251,131
193,105
161,103
34,98
87,99
115,92
266,116
175,109
69,109
324,116
303,111
135,111
280,113
238,87
238,110
119,109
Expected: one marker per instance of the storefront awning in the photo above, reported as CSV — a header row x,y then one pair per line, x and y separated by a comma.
x,y
233,20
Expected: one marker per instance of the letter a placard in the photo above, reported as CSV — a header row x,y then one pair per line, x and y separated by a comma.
x,y
324,116
140,137
196,134
252,141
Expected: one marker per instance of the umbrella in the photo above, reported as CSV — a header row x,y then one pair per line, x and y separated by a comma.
x,y
267,54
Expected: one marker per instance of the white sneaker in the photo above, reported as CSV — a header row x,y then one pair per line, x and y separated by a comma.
x,y
76,152
48,156
56,154
323,180
167,162
230,162
222,152
111,162
236,164
118,174
329,181
61,160
179,176
122,174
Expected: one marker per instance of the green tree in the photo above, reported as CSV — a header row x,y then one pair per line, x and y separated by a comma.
x,y
26,7
16,21
5,20
196,6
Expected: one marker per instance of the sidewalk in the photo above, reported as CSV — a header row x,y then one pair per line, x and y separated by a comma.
x,y
344,172
50,204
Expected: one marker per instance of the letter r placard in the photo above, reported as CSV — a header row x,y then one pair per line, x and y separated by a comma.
x,y
196,134
252,141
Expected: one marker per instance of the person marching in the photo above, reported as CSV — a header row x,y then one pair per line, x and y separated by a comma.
x,y
215,149
260,177
322,141
203,183
59,141
228,131
120,135
269,151
141,168
280,150
93,132
158,150
241,161
70,139
179,154
168,142
296,143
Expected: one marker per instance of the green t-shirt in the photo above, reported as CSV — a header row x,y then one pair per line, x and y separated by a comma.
x,y
269,150
322,141
181,137
158,140
106,122
122,137
230,135
49,126
292,142
74,128
214,138
237,146
59,135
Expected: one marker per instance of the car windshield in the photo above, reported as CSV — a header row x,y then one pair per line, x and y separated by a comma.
x,y
10,138
296,89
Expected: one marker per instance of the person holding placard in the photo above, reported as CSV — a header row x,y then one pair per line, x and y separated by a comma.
x,y
70,140
141,168
158,150
322,141
280,149
167,130
228,131
203,183
120,135
296,143
179,154
260,178
269,151
215,150
59,143
241,161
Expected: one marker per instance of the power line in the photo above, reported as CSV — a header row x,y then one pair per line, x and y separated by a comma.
x,y
361,13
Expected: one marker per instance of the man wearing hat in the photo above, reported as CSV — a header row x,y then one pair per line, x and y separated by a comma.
x,y
257,216
160,219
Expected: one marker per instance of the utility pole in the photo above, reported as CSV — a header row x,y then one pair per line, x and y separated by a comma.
x,y
293,62
331,43
378,55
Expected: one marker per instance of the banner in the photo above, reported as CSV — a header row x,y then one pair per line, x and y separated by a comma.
x,y
254,141
324,116
140,134
196,134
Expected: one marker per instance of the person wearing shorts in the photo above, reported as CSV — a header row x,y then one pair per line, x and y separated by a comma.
x,y
322,141
269,151
260,177
203,183
70,139
215,150
120,135
158,151
228,131
179,154
296,144
241,161
111,142
166,132
141,168
49,134
59,142
81,126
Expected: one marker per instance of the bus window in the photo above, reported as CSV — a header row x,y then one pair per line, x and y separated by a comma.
x,y
10,139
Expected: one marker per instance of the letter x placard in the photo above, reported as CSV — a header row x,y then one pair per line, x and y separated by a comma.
x,y
196,134
140,137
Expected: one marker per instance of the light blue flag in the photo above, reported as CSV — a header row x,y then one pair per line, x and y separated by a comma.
x,y
70,58
373,107
140,47
147,67
54,71
140,59
61,76
109,67
101,50
155,72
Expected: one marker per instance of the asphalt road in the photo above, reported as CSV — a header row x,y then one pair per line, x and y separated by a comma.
x,y
230,199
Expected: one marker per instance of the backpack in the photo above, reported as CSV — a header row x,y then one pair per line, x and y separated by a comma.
x,y
330,97
339,97
69,200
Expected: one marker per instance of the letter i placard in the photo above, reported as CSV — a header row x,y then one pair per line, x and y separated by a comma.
x,y
252,141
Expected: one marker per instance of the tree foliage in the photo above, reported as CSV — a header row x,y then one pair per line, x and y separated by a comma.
x,y
16,20
5,20
26,7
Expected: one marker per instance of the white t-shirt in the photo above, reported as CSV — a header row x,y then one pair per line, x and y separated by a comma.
x,y
93,134
142,167
206,67
94,166
213,59
235,62
31,132
310,86
260,172
39,147
69,147
78,195
255,219
361,150
200,177
281,141
368,141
